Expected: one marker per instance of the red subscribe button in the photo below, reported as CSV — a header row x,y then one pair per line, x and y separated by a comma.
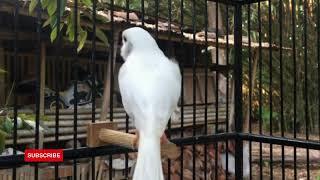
x,y
43,155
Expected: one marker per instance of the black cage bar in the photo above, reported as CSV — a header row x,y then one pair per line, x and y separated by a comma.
x,y
249,106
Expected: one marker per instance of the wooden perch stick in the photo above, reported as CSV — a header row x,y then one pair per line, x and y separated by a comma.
x,y
103,133
117,138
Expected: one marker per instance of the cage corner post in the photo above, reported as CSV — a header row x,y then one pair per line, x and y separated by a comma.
x,y
238,90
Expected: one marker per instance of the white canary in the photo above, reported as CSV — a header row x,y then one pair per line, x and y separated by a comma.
x,y
150,86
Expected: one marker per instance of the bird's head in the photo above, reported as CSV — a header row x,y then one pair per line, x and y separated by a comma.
x,y
137,39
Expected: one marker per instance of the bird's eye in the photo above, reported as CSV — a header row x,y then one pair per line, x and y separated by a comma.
x,y
124,39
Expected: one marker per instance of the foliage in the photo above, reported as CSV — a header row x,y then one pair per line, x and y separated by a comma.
x,y
266,120
24,121
287,62
67,19
31,117
2,140
6,122
67,16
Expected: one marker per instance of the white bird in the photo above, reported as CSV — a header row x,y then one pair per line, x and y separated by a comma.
x,y
150,86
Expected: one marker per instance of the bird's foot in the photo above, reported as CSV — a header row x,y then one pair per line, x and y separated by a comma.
x,y
136,139
164,139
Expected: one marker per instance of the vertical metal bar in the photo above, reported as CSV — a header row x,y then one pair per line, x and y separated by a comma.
x,y
93,60
281,91
250,89
57,85
75,72
182,70
238,88
142,12
318,58
110,167
127,117
270,87
206,68
127,155
194,83
127,11
37,90
295,87
169,161
93,79
112,40
206,86
182,89
305,45
217,88
169,123
260,89
15,105
227,89
156,17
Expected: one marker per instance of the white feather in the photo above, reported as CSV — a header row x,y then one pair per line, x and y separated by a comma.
x,y
150,87
231,161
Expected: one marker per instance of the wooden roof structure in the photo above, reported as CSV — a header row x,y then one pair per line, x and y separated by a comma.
x,y
121,22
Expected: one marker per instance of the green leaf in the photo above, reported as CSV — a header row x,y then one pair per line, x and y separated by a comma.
x,y
45,3
32,5
52,7
53,22
70,29
71,36
68,23
82,39
47,22
70,32
61,26
101,36
2,71
2,140
53,34
7,126
87,2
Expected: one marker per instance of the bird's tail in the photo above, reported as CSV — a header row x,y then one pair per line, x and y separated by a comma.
x,y
148,165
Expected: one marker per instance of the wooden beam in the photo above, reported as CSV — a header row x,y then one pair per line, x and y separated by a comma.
x,y
42,76
107,83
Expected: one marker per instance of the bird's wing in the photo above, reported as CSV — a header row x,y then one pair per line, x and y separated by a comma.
x,y
125,91
150,91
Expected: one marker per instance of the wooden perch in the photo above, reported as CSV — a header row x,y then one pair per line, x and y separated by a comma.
x,y
103,133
